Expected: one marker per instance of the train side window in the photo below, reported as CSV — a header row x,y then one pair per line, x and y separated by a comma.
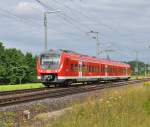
x,y
97,69
84,68
108,69
67,61
88,68
100,68
93,68
103,69
72,67
76,68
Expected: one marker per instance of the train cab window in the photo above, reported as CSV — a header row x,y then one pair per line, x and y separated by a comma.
x,y
50,61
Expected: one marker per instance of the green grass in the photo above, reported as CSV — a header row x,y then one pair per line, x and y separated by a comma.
x,y
22,86
147,83
128,108
137,77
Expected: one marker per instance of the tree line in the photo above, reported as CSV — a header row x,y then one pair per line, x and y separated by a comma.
x,y
16,67
139,67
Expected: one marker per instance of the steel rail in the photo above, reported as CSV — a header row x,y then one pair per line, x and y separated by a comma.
x,y
23,98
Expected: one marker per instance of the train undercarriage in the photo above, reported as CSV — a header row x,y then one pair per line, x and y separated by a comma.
x,y
52,80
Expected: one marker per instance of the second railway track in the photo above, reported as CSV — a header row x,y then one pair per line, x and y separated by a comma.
x,y
38,94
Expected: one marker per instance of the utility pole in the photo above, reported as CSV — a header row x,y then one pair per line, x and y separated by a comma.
x,y
137,65
97,40
148,67
46,27
145,70
108,51
45,30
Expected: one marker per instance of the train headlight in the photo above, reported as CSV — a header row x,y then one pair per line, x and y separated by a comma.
x,y
39,77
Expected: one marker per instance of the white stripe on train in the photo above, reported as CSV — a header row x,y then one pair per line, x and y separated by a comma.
x,y
93,77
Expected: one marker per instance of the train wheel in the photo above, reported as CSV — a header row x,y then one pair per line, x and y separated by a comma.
x,y
67,83
46,85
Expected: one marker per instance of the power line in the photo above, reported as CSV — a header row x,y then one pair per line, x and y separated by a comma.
x,y
82,14
73,11
69,20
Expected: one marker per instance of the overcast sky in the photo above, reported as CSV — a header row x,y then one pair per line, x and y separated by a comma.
x,y
124,26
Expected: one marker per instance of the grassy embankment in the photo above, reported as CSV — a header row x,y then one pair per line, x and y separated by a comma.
x,y
137,77
130,107
17,87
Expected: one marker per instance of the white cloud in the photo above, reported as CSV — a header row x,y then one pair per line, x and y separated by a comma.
x,y
28,8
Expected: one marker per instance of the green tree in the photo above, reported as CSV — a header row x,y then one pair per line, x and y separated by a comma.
x,y
31,68
2,63
141,66
14,59
16,67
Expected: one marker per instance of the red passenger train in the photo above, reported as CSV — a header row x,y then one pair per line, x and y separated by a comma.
x,y
65,67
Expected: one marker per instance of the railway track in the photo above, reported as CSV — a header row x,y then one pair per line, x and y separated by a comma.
x,y
12,98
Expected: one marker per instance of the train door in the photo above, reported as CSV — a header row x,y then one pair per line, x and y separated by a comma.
x,y
126,71
80,69
106,70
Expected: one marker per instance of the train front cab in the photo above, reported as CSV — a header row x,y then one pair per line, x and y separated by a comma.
x,y
48,65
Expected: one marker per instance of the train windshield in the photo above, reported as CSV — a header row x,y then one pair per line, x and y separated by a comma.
x,y
50,61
